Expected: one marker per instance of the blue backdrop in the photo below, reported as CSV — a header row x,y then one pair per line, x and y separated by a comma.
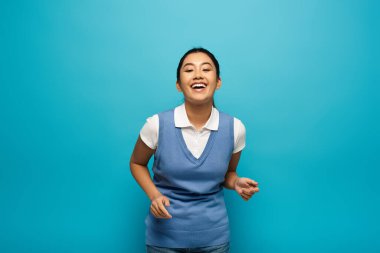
x,y
79,78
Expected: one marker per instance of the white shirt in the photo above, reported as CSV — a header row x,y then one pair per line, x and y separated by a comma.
x,y
195,140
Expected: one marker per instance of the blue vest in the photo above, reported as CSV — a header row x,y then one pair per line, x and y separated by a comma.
x,y
193,186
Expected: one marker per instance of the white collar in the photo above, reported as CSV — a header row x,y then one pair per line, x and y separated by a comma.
x,y
181,120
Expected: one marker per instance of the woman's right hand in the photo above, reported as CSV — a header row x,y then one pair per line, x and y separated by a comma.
x,y
158,209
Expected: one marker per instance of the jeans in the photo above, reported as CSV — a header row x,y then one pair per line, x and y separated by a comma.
x,y
222,248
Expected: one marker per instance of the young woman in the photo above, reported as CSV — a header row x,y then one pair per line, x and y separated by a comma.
x,y
196,151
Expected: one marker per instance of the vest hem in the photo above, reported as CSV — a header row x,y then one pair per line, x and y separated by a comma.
x,y
187,239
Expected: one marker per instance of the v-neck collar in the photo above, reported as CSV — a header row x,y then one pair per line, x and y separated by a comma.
x,y
205,152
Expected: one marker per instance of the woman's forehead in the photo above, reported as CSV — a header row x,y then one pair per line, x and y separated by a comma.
x,y
197,58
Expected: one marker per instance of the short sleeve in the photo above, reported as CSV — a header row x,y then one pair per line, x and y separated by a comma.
x,y
149,132
239,135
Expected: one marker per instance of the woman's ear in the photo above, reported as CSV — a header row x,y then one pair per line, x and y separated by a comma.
x,y
178,87
219,83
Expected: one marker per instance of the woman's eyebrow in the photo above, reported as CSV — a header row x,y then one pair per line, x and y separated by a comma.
x,y
189,63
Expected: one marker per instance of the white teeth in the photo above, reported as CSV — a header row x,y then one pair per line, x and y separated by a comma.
x,y
198,85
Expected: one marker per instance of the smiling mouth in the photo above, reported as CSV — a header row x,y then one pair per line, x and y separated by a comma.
x,y
198,86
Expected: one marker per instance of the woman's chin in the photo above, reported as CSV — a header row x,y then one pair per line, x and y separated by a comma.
x,y
199,101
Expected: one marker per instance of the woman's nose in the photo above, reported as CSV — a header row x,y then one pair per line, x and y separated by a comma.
x,y
198,74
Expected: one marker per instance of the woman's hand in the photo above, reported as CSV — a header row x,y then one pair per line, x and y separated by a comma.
x,y
158,207
246,187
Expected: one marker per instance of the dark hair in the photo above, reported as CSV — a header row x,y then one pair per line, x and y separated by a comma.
x,y
198,50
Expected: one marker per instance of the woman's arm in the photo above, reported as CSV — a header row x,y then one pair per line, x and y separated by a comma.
x,y
231,175
138,165
245,187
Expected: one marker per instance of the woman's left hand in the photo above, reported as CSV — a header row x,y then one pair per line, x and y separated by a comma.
x,y
246,187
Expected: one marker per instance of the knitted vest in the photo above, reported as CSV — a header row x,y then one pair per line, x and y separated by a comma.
x,y
193,186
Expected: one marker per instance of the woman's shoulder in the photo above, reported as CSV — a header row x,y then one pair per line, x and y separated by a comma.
x,y
236,120
239,127
154,119
149,132
239,132
239,135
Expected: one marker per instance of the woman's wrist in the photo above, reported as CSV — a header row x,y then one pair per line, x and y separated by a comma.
x,y
230,180
236,182
154,195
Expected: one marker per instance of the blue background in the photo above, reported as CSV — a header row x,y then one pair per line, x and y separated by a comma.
x,y
79,78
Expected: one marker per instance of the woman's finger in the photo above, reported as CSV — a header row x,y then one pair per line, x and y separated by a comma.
x,y
245,195
249,192
157,210
163,210
253,182
245,198
159,213
245,183
248,197
154,212
166,202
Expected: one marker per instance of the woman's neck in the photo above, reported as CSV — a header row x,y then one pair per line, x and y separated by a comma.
x,y
198,115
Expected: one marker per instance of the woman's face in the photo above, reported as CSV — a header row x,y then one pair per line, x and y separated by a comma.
x,y
198,79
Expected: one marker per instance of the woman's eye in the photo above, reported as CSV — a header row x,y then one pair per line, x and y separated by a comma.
x,y
188,70
206,70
